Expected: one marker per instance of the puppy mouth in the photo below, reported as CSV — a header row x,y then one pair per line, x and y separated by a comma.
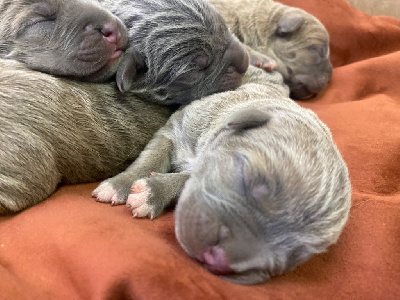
x,y
300,91
108,69
117,53
231,81
302,94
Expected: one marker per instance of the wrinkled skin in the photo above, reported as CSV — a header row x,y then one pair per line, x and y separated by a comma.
x,y
76,38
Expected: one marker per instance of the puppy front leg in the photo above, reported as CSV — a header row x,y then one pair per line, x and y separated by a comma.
x,y
154,158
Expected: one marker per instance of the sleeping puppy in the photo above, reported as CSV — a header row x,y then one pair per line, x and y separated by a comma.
x,y
263,185
65,132
180,50
58,131
76,38
296,42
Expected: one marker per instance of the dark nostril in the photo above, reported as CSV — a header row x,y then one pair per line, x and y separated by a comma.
x,y
106,32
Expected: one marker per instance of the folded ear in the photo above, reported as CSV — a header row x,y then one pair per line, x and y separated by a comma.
x,y
246,119
289,24
127,69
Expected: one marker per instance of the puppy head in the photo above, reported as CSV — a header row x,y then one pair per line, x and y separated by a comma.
x,y
74,38
185,52
300,46
264,200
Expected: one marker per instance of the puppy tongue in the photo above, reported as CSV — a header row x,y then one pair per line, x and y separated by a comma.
x,y
216,262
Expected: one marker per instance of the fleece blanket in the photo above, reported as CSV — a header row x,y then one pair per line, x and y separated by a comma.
x,y
71,247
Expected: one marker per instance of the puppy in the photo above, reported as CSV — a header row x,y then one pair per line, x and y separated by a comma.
x,y
58,131
180,50
76,38
296,42
263,185
64,132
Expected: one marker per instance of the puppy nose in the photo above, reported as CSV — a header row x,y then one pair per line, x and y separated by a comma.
x,y
237,57
241,60
243,64
111,33
216,262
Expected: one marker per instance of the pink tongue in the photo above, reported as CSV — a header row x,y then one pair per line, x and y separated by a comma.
x,y
216,262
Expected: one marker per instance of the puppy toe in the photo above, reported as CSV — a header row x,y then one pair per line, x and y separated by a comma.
x,y
104,192
137,200
142,211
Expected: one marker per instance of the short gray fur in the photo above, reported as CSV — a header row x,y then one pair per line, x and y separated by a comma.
x,y
296,40
264,185
61,37
180,50
57,131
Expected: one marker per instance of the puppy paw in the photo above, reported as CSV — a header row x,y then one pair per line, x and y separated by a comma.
x,y
106,193
114,191
263,62
138,200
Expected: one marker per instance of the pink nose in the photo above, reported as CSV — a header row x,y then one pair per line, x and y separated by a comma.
x,y
216,262
111,33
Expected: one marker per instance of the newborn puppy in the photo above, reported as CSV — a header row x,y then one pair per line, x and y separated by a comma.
x,y
75,38
65,132
181,50
294,39
264,186
57,131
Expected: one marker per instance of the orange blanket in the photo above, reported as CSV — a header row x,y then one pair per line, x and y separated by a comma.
x,y
70,247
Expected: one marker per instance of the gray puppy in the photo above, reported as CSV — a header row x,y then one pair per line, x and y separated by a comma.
x,y
296,41
180,50
264,186
63,132
75,38
57,131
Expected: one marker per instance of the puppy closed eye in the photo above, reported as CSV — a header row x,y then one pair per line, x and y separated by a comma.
x,y
38,28
42,23
321,50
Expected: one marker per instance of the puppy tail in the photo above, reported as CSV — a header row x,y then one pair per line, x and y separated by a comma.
x,y
247,119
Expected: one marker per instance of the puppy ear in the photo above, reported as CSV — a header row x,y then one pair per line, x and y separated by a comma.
x,y
131,62
246,119
289,24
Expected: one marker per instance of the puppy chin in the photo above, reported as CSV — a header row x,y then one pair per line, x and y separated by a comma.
x,y
106,72
231,80
249,277
301,94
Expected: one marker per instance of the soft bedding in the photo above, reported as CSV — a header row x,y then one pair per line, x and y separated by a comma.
x,y
71,247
